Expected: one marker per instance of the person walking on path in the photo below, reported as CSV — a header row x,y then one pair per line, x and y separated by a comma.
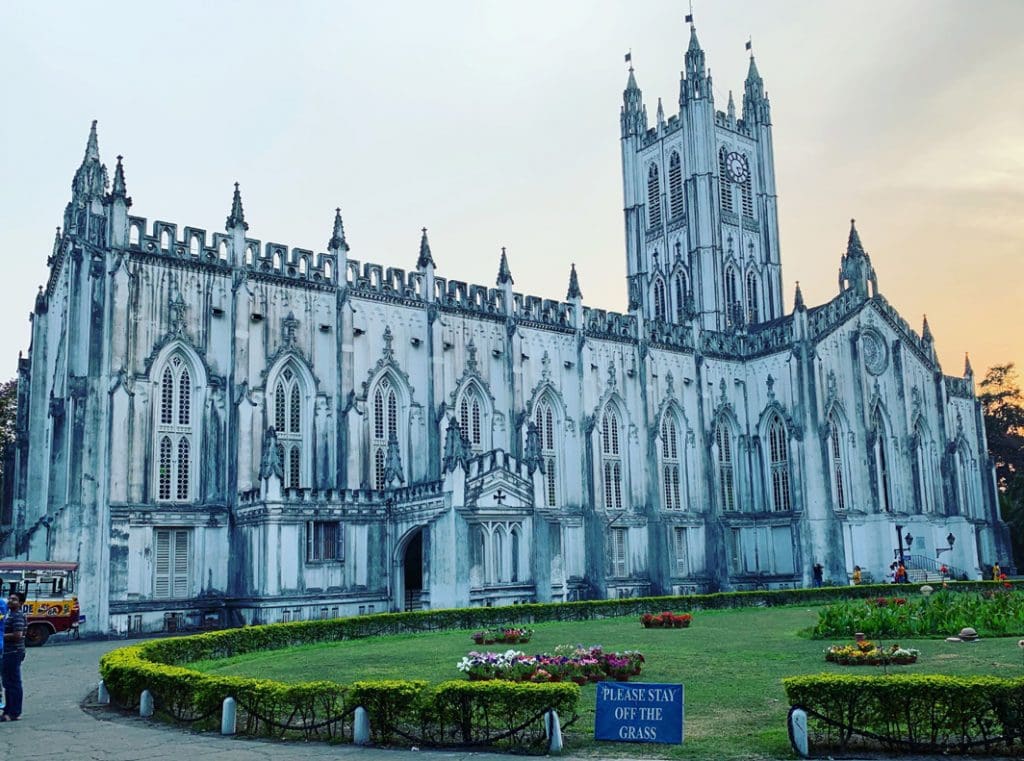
x,y
13,655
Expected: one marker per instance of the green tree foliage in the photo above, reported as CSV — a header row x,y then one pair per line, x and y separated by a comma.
x,y
1003,402
8,416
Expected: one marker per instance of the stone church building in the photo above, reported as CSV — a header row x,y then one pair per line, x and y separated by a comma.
x,y
218,428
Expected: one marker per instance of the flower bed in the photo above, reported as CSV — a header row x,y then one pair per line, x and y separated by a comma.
x,y
993,613
866,653
504,635
666,620
568,663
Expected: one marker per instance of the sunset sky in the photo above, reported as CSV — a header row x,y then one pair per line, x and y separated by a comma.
x,y
496,124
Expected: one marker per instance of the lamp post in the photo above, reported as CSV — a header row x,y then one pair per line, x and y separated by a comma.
x,y
899,542
950,539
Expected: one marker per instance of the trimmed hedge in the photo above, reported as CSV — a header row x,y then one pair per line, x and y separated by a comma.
x,y
917,713
499,713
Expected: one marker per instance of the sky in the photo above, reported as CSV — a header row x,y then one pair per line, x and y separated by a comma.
x,y
497,124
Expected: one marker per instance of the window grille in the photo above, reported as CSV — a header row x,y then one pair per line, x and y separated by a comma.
x,y
618,553
752,310
724,184
675,187
174,434
653,197
747,196
779,465
837,465
726,486
611,460
670,479
385,422
680,551
545,419
681,289
289,425
324,541
660,312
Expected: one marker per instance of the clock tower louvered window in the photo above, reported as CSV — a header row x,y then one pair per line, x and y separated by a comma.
x,y
677,203
653,197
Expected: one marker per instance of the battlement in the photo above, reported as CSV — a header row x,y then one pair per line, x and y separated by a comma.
x,y
369,498
740,126
496,459
192,245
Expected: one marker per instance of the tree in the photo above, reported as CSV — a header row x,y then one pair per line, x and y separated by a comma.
x,y
1003,403
8,415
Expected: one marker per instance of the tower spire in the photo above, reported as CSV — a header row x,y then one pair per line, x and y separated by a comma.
x,y
633,117
425,260
926,331
337,241
855,270
696,82
92,145
120,190
798,299
968,370
504,273
756,106
574,285
91,178
237,216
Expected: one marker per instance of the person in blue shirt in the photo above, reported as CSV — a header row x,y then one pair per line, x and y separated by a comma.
x,y
3,621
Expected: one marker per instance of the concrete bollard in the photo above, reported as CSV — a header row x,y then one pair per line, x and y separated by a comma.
x,y
361,727
228,717
797,722
146,704
553,729
102,694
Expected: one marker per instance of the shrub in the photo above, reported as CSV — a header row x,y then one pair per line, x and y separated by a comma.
x,y
666,620
911,713
991,613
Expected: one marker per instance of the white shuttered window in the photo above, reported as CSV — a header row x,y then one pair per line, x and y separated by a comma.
x,y
173,563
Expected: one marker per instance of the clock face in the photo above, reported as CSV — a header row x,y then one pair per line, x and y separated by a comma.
x,y
737,165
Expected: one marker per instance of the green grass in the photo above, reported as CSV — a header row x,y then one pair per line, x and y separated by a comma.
x,y
730,662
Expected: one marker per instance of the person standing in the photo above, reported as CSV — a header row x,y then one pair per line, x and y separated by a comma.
x,y
819,574
996,571
13,655
3,622
856,575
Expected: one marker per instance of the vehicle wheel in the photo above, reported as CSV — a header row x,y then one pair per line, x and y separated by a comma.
x,y
37,635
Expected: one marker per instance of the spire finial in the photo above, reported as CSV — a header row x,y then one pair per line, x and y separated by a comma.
x,y
574,285
337,241
968,370
504,273
92,146
237,216
426,259
926,330
798,299
120,190
853,244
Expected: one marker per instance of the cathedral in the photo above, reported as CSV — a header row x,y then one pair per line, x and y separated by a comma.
x,y
221,430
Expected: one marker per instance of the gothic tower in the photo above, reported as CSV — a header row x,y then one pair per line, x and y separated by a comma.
x,y
702,233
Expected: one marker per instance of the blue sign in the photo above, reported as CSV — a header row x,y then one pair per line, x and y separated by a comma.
x,y
640,713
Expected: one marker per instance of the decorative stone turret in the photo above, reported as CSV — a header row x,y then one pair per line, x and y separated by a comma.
x,y
505,281
633,117
236,226
393,463
83,216
756,106
696,82
855,270
425,264
119,203
338,246
575,296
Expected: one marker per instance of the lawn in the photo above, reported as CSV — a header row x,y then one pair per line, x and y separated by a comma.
x,y
729,661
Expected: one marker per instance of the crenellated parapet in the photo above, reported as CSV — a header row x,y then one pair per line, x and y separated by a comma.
x,y
193,246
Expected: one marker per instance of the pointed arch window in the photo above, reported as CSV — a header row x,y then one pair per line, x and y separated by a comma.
x,y
675,186
660,307
724,184
681,289
726,475
175,433
470,419
670,464
384,423
964,481
921,445
882,485
653,197
835,446
732,297
498,555
544,417
290,426
611,460
778,464
753,313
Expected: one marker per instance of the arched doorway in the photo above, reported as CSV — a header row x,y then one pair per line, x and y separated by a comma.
x,y
412,572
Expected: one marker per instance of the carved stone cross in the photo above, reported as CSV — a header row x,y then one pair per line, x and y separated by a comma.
x,y
500,496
